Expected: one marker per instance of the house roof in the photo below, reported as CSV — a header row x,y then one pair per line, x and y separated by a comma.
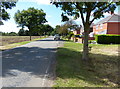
x,y
92,25
112,18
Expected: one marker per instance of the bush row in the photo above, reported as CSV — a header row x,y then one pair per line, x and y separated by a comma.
x,y
107,39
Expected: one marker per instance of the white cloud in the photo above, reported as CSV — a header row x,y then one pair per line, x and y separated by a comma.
x,y
9,27
53,25
48,16
59,23
48,23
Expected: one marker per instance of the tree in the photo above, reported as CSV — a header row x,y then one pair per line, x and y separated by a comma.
x,y
85,10
55,30
21,32
8,34
30,18
44,29
13,34
26,33
40,29
1,23
66,28
63,30
47,29
3,9
72,25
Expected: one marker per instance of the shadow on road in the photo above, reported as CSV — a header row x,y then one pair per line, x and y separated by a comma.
x,y
33,60
50,40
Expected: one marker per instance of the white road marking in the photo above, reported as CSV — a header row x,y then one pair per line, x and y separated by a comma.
x,y
45,75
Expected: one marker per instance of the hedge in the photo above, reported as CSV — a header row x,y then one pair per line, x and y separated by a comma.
x,y
107,39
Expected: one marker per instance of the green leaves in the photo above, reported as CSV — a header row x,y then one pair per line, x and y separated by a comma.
x,y
85,11
64,18
43,29
78,9
30,18
3,7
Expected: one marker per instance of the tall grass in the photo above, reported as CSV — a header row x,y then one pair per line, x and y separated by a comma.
x,y
100,71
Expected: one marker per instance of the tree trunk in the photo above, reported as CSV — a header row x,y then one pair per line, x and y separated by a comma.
x,y
30,29
85,55
30,35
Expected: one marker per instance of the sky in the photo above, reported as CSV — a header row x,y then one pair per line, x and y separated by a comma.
x,y
53,14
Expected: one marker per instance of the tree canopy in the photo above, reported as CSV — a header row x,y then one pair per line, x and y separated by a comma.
x,y
48,29
30,18
88,11
3,9
67,27
44,29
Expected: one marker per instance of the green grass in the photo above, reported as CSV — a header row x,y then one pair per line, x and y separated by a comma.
x,y
9,46
100,71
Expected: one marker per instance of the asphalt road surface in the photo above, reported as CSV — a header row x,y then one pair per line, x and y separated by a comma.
x,y
31,65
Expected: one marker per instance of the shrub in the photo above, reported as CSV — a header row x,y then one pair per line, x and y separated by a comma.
x,y
107,39
70,34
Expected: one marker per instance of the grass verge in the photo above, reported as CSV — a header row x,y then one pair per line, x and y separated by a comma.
x,y
9,46
100,71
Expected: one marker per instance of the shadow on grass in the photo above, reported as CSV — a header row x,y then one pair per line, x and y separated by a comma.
x,y
99,70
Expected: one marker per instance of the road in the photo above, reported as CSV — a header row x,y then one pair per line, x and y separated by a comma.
x,y
31,65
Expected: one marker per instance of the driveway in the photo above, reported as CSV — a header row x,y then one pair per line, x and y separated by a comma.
x,y
31,65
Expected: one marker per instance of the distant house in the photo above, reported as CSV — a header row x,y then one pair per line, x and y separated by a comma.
x,y
109,25
75,32
81,30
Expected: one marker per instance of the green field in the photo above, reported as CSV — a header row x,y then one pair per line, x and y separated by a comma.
x,y
100,71
8,42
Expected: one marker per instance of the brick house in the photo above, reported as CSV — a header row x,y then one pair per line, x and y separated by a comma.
x,y
81,30
109,25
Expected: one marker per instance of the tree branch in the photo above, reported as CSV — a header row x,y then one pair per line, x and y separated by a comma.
x,y
88,11
80,9
100,10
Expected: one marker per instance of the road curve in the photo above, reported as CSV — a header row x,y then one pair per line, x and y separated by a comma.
x,y
30,65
